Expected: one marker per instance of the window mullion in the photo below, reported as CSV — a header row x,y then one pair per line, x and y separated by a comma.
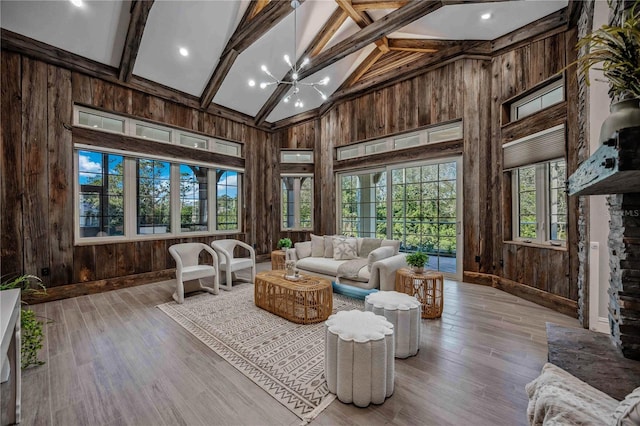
x,y
541,202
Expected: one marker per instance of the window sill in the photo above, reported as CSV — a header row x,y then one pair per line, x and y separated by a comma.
x,y
537,245
152,237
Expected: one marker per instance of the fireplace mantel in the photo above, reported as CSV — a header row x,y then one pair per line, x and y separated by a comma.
x,y
613,169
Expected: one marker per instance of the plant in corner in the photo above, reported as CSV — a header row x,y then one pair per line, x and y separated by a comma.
x,y
417,260
285,243
31,327
615,50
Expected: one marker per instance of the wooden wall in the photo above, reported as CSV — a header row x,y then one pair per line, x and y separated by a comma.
x,y
37,174
473,90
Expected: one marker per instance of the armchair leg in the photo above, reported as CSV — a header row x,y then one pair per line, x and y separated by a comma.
x,y
178,295
229,281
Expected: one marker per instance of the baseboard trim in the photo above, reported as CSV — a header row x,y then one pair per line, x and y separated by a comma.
x,y
540,297
100,286
601,326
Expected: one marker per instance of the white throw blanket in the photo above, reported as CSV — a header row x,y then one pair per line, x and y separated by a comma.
x,y
350,268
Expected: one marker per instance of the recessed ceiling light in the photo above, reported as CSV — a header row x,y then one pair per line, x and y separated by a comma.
x,y
252,83
485,16
76,3
184,52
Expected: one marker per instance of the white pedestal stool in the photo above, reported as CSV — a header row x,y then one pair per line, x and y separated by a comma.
x,y
359,362
403,311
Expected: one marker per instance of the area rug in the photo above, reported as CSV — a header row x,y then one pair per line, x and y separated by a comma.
x,y
283,358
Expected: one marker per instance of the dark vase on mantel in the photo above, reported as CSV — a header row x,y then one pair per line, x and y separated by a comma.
x,y
624,114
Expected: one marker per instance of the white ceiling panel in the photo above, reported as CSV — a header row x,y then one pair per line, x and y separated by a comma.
x,y
269,50
463,22
337,73
96,30
202,27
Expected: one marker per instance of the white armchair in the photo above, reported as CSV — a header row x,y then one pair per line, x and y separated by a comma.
x,y
230,264
188,268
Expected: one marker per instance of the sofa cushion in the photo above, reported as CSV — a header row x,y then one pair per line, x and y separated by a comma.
x,y
391,243
328,246
320,265
628,411
345,248
379,254
368,245
303,249
317,246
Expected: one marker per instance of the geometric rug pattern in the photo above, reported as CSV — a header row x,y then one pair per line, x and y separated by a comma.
x,y
283,358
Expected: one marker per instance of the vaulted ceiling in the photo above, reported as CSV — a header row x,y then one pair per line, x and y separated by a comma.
x,y
356,43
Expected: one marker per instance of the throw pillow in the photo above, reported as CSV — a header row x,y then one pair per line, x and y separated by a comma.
x,y
303,249
391,243
379,254
328,246
317,246
368,245
628,411
345,248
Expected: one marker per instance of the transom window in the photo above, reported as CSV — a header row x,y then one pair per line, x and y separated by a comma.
x,y
545,97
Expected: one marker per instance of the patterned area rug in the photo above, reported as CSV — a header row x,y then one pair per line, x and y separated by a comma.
x,y
283,358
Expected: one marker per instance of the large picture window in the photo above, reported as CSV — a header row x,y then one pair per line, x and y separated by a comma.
x,y
363,211
297,202
540,202
127,197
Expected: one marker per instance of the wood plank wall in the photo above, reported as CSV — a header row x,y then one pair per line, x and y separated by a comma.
x,y
473,90
37,174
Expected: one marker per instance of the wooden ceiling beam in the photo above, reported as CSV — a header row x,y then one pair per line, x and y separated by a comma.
x,y
248,31
318,43
361,69
397,19
361,5
541,26
139,14
259,5
362,20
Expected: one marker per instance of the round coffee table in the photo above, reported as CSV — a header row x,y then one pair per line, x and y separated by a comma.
x,y
305,301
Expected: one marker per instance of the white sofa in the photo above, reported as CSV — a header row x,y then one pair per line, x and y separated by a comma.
x,y
377,260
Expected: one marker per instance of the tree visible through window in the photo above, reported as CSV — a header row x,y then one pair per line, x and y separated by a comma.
x,y
154,196
226,199
297,202
193,198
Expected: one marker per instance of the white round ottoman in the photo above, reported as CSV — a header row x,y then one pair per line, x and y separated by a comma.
x,y
359,363
403,311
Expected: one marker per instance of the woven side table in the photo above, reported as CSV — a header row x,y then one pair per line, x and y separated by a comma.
x,y
427,287
277,259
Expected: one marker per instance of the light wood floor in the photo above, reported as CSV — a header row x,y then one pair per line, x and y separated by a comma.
x,y
113,358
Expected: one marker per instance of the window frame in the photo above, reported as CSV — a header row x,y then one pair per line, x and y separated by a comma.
x,y
543,205
130,198
538,94
296,201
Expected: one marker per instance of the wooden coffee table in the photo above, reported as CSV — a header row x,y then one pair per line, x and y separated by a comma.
x,y
307,301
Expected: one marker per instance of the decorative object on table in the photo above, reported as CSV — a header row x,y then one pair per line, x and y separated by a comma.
x,y
290,268
284,244
359,357
617,49
404,312
417,260
290,364
427,287
31,327
306,300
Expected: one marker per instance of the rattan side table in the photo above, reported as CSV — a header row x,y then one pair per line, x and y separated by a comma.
x,y
277,259
427,287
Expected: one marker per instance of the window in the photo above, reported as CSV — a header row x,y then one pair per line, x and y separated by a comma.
x,y
439,133
540,202
417,204
297,202
540,99
296,156
128,197
99,120
101,196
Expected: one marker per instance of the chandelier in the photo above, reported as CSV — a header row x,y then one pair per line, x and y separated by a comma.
x,y
294,92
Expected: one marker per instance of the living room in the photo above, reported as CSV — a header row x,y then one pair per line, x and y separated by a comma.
x,y
401,115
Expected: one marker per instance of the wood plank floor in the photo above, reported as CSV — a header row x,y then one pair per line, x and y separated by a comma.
x,y
113,358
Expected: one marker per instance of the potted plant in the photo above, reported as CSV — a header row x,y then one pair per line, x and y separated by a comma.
x,y
31,327
284,244
616,51
417,261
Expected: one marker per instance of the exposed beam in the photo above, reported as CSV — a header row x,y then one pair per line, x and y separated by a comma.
x,y
139,13
248,30
318,43
259,5
420,45
361,69
574,9
541,26
362,20
414,10
360,5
